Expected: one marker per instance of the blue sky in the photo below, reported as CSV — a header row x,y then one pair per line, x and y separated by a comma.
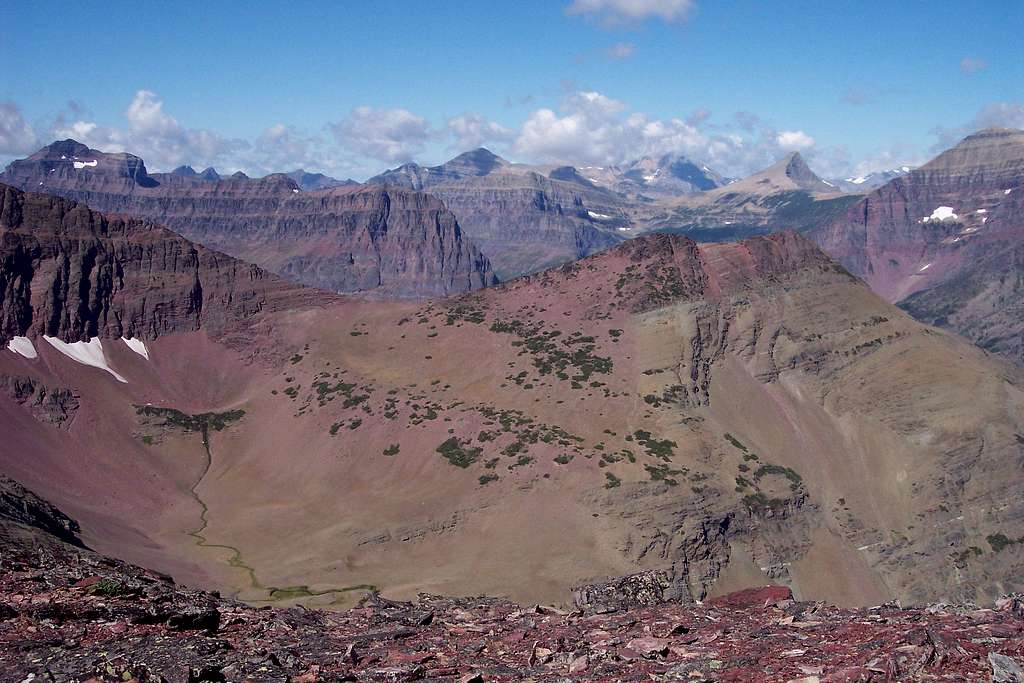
x,y
352,88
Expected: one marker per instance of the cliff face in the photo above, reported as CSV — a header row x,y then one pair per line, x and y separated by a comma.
x,y
522,219
390,242
962,204
69,272
945,239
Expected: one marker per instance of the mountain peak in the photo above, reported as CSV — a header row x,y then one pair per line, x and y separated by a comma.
x,y
64,148
479,161
990,147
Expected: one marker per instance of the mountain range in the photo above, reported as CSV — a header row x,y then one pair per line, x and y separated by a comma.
x,y
391,242
725,414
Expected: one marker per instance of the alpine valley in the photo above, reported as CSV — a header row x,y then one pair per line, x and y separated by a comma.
x,y
293,390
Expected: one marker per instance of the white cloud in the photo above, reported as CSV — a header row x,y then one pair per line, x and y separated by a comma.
x,y
620,51
613,12
794,140
471,130
152,134
591,128
972,65
16,136
390,135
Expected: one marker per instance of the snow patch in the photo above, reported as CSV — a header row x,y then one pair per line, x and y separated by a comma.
x,y
828,183
598,216
295,191
22,346
137,345
924,267
942,213
859,180
87,353
1008,191
981,211
905,169
83,164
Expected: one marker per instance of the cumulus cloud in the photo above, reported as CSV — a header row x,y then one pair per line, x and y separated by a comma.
x,y
613,12
152,134
471,130
592,128
794,141
972,65
16,136
390,135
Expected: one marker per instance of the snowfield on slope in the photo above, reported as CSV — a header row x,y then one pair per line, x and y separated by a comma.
x,y
87,353
22,346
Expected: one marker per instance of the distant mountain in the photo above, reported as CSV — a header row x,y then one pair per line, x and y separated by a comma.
x,y
523,217
669,175
389,242
786,195
868,181
317,181
132,278
945,239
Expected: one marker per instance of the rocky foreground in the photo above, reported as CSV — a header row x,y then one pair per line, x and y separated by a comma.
x,y
67,614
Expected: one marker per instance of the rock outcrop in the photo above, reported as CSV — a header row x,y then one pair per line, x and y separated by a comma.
x,y
70,272
52,405
21,506
388,242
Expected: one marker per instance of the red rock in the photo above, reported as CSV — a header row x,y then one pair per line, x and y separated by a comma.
x,y
648,646
752,597
88,581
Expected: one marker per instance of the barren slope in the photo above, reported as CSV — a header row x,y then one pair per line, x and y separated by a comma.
x,y
723,413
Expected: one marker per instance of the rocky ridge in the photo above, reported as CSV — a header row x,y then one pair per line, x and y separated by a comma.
x,y
522,218
345,239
